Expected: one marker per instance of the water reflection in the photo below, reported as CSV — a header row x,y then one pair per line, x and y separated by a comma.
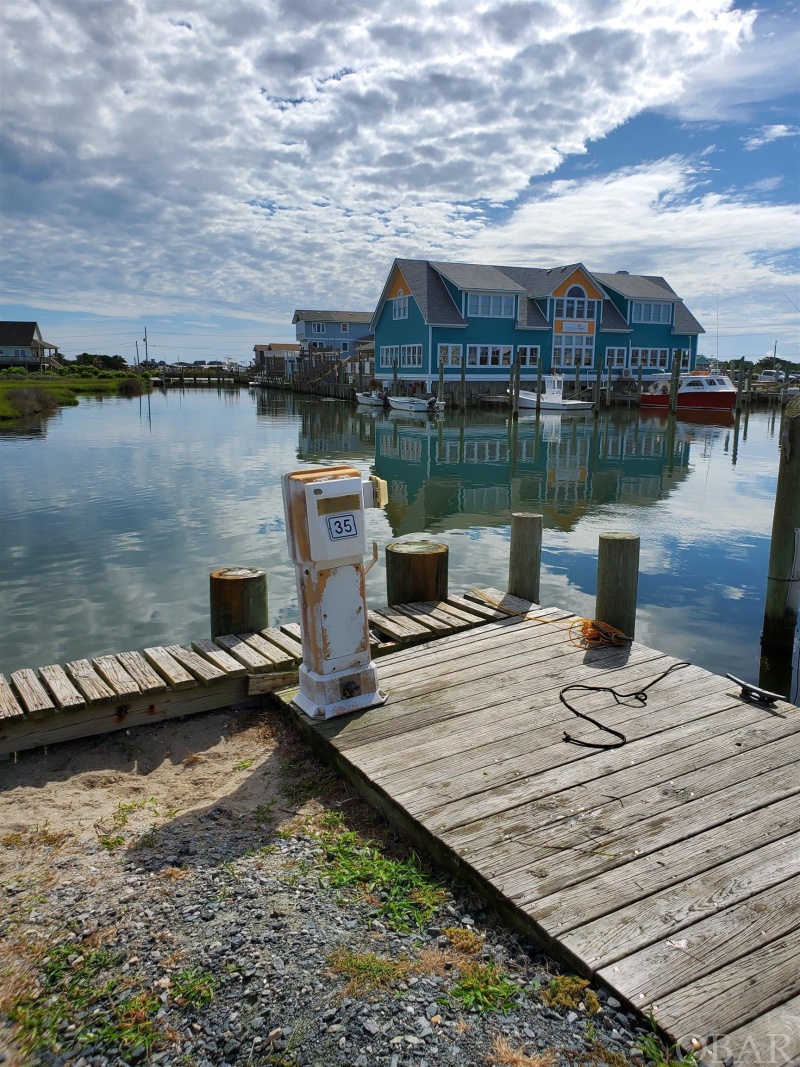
x,y
113,514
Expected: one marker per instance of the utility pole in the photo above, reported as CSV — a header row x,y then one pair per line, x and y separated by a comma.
x,y
137,352
146,357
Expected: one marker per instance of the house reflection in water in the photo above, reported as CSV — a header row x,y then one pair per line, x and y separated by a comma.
x,y
473,472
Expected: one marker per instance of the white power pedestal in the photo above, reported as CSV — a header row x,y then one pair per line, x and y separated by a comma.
x,y
326,534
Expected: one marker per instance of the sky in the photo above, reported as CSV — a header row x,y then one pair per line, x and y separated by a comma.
x,y
201,170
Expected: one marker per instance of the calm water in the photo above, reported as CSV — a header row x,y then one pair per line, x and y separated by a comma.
x,y
113,514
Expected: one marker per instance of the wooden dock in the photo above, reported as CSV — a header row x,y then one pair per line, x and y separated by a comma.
x,y
667,868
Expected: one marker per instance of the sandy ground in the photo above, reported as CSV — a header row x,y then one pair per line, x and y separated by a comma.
x,y
178,766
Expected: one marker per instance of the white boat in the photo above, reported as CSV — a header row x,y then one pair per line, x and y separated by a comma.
x,y
696,392
375,398
421,403
552,399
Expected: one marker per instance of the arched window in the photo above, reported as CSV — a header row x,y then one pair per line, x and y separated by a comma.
x,y
575,306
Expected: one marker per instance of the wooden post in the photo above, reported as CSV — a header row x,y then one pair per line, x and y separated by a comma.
x,y
440,390
516,370
238,601
608,388
538,382
416,570
464,381
596,407
740,385
639,384
577,380
675,381
525,557
783,574
617,580
750,369
512,379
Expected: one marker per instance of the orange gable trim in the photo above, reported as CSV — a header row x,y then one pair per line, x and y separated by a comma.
x,y
396,284
579,277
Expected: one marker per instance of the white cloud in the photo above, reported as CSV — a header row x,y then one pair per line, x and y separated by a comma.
x,y
767,134
243,158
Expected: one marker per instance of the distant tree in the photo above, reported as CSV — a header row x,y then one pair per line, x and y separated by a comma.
x,y
87,359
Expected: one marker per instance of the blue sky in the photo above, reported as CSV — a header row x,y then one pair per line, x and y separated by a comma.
x,y
203,169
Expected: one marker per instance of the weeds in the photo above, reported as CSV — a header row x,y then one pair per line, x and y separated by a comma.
x,y
566,991
463,940
657,1052
38,836
365,971
407,896
110,842
243,765
483,987
263,812
84,992
194,986
505,1055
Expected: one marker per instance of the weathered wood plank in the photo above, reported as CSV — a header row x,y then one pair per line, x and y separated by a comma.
x,y
10,709
291,629
176,676
232,667
428,618
731,931
772,1038
260,684
15,736
291,646
736,993
63,691
93,687
203,670
727,845
483,611
397,625
116,676
277,657
451,611
142,673
239,649
32,694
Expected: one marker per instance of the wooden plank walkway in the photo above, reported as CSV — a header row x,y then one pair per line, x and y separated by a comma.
x,y
668,868
113,692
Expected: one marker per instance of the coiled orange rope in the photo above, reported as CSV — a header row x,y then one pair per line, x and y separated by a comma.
x,y
583,633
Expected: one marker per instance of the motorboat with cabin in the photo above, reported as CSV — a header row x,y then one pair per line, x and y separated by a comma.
x,y
425,402
552,398
696,392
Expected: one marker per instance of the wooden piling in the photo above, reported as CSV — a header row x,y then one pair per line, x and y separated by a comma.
x,y
538,383
740,385
463,398
238,600
525,556
516,370
783,575
416,571
675,381
617,580
440,390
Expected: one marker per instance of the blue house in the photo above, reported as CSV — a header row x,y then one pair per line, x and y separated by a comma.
x,y
567,319
334,330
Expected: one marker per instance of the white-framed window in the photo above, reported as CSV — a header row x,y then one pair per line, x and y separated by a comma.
x,y
655,358
490,306
317,344
528,355
615,357
575,305
318,327
411,356
400,306
344,347
684,354
390,354
344,326
449,355
489,355
573,350
647,311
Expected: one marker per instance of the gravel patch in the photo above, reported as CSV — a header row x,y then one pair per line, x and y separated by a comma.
x,y
226,920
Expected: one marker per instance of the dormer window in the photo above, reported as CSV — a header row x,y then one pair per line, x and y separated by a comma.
x,y
490,306
642,311
575,305
400,306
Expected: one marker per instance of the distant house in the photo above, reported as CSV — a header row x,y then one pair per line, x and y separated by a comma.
x,y
566,319
337,331
21,345
275,357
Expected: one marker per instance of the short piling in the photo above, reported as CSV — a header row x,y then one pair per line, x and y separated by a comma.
x,y
525,557
783,575
617,580
416,570
238,601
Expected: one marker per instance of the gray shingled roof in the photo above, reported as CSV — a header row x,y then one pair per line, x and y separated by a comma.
x,y
637,286
333,316
430,293
19,334
684,321
612,321
532,316
478,276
